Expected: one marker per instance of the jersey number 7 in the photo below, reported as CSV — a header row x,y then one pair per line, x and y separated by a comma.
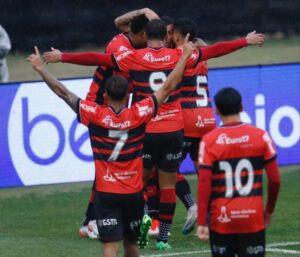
x,y
123,136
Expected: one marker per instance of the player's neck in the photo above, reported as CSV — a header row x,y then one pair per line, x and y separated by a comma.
x,y
179,43
117,106
155,43
231,119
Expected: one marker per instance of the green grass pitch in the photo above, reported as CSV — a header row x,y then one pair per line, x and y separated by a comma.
x,y
43,221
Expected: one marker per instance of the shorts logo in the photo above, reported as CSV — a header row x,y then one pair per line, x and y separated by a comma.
x,y
147,156
171,156
107,222
223,218
219,249
253,250
224,139
134,224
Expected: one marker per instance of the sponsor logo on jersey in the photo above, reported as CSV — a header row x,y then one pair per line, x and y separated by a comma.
x,y
123,55
144,110
150,58
110,123
123,48
88,108
199,123
223,218
224,139
107,222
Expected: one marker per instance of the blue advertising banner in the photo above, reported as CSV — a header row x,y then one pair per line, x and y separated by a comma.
x,y
42,143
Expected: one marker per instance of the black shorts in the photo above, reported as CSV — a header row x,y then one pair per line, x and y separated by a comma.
x,y
163,150
191,146
242,245
118,216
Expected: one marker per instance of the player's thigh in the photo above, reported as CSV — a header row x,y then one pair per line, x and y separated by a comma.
x,y
171,151
109,217
251,245
222,245
132,211
150,150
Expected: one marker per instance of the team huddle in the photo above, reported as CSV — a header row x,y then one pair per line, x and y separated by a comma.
x,y
139,142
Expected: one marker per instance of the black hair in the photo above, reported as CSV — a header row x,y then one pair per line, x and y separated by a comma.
x,y
167,19
156,29
138,24
116,87
185,26
228,101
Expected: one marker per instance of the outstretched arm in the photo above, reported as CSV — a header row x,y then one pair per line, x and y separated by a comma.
x,y
57,87
223,48
175,76
123,22
85,58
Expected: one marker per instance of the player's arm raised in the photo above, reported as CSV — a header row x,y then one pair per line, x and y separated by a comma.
x,y
57,87
123,22
175,76
223,48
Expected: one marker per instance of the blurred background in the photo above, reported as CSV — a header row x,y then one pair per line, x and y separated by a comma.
x,y
76,25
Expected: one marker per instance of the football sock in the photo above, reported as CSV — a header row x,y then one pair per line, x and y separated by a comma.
x,y
167,207
183,191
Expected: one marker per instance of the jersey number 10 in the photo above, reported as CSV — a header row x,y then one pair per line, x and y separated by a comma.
x,y
230,175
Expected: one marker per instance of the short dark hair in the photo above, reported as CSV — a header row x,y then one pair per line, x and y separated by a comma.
x,y
116,87
228,101
185,26
138,24
167,19
156,29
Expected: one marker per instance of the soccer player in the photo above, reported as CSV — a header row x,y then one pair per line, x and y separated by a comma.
x,y
148,69
133,37
232,158
117,136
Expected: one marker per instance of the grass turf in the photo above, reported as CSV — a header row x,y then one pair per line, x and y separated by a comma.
x,y
44,221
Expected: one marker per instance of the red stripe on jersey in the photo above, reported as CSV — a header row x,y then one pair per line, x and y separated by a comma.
x,y
223,188
105,151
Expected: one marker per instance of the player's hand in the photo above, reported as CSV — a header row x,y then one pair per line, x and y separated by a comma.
x,y
151,15
203,233
53,56
188,47
268,218
254,38
36,60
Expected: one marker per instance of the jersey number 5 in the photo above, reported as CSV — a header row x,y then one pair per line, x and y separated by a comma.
x,y
243,190
122,135
201,91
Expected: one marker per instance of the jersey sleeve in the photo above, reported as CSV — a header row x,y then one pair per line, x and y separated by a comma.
x,y
87,112
123,60
145,109
194,59
270,152
205,158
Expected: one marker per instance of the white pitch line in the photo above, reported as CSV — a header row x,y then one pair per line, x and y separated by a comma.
x,y
268,249
279,250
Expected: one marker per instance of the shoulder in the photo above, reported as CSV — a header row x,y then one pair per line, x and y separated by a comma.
x,y
118,43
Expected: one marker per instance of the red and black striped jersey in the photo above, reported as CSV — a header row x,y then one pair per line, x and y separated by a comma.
x,y
196,105
120,42
236,155
117,143
148,68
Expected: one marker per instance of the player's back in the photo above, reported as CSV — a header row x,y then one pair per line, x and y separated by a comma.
x,y
117,143
148,69
238,153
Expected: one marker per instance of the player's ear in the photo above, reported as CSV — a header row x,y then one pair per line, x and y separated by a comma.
x,y
105,97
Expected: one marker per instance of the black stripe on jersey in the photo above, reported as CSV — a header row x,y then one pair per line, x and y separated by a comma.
x,y
244,179
271,159
257,163
78,110
254,192
144,76
117,67
101,70
111,145
193,105
171,98
98,131
205,167
189,81
121,157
